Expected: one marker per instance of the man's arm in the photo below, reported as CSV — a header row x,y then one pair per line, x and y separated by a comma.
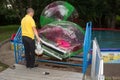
x,y
36,34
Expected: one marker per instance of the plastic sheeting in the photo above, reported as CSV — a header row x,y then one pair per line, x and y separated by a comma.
x,y
64,35
58,11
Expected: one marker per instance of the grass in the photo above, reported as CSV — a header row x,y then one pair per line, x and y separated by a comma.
x,y
7,31
3,66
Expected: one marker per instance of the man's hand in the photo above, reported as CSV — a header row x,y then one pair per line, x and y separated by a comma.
x,y
36,34
38,39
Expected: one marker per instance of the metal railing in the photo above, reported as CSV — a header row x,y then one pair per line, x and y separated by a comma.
x,y
86,47
18,46
97,63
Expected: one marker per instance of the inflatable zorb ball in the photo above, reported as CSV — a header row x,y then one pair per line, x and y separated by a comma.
x,y
62,39
57,11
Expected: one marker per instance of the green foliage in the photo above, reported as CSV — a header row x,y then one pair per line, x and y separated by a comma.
x,y
100,12
3,66
118,20
7,31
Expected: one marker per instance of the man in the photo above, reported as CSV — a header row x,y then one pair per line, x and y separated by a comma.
x,y
29,33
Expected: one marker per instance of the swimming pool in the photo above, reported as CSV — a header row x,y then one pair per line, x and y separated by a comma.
x,y
107,38
109,43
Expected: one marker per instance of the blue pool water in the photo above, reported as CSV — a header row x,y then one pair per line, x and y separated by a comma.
x,y
107,39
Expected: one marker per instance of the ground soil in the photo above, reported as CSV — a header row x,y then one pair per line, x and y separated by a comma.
x,y
6,54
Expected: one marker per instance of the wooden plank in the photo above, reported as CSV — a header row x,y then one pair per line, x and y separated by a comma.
x,y
22,73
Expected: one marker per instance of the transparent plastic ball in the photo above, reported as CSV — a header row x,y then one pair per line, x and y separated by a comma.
x,y
63,34
57,11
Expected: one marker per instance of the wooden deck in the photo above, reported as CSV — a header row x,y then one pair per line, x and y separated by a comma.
x,y
22,73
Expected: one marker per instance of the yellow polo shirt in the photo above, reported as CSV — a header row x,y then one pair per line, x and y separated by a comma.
x,y
27,25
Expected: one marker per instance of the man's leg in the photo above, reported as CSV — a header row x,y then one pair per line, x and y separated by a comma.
x,y
27,51
32,50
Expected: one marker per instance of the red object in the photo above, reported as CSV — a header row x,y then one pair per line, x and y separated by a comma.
x,y
109,29
63,43
12,37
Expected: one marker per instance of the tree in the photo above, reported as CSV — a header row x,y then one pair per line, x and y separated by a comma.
x,y
100,12
112,8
